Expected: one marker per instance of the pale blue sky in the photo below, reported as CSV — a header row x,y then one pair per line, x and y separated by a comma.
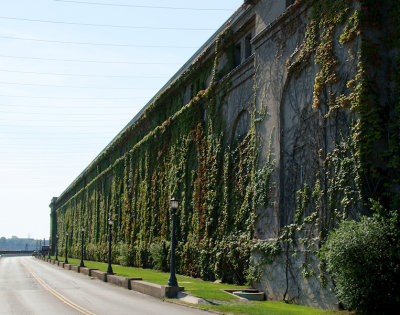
x,y
62,103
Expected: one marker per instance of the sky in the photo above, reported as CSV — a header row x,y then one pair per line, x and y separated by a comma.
x,y
72,75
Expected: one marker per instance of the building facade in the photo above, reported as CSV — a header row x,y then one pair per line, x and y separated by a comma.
x,y
267,135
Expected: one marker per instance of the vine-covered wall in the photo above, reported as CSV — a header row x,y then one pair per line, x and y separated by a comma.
x,y
173,150
332,87
265,158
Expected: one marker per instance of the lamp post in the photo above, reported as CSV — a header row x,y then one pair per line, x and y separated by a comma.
x,y
57,247
49,249
66,248
172,278
109,268
82,264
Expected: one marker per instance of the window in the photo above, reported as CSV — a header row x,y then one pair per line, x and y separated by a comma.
x,y
237,55
247,46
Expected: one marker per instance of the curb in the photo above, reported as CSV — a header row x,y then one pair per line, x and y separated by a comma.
x,y
134,284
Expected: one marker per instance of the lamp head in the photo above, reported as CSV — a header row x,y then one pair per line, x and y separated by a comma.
x,y
174,203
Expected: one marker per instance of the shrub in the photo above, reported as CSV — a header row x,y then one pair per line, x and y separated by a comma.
x,y
233,258
159,255
363,259
126,255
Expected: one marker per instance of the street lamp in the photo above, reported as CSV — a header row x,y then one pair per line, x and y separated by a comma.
x,y
172,278
49,249
109,269
82,264
56,247
66,248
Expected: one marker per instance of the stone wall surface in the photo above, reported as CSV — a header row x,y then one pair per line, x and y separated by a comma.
x,y
208,138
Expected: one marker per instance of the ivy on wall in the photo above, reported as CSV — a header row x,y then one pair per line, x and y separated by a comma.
x,y
363,167
184,152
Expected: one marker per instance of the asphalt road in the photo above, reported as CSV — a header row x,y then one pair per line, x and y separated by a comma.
x,y
29,286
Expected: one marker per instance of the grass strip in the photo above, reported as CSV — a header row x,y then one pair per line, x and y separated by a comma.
x,y
203,289
211,291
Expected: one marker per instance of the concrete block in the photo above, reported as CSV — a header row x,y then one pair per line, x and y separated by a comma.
x,y
99,275
67,266
156,290
170,292
61,264
121,281
86,271
75,268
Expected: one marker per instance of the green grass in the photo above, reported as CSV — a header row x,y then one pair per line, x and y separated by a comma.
x,y
269,308
227,303
204,289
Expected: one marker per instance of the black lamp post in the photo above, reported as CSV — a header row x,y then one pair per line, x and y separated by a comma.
x,y
172,278
57,247
66,248
49,249
82,264
109,269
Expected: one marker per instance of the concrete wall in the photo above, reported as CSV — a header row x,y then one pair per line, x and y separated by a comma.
x,y
290,131
296,134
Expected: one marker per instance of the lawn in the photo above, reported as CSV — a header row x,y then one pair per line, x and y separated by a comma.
x,y
270,308
224,302
204,289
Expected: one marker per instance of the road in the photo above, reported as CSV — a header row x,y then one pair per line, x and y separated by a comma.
x,y
30,286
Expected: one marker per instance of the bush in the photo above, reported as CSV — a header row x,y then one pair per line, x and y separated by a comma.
x,y
233,258
126,255
159,255
363,259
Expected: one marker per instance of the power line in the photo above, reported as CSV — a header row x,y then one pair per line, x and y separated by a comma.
x,y
144,6
95,44
77,98
83,75
57,106
65,114
63,120
82,60
76,87
109,25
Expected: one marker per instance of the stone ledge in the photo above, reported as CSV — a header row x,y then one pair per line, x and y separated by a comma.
x,y
67,266
99,275
156,290
61,264
75,268
121,281
86,271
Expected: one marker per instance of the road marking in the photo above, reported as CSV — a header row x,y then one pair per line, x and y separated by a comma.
x,y
57,294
